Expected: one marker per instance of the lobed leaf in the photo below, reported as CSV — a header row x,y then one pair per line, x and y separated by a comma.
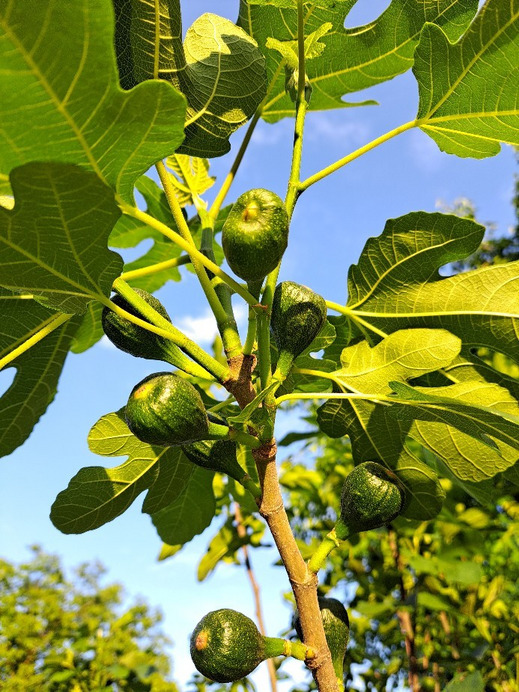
x,y
396,283
58,66
37,370
468,90
227,82
218,67
375,52
97,495
374,434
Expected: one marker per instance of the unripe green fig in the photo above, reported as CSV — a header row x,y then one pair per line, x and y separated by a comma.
x,y
336,629
220,455
226,646
165,409
372,496
255,234
131,338
298,315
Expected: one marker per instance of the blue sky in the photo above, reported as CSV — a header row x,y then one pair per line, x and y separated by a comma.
x,y
331,223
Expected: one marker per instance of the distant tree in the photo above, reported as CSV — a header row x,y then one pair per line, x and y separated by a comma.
x,y
60,634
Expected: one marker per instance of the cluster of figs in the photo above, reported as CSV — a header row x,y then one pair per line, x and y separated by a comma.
x,y
165,409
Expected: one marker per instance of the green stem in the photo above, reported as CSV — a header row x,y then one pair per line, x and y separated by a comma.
x,y
51,324
305,184
243,438
250,339
193,252
228,328
254,288
329,543
294,186
214,303
222,193
352,315
263,333
251,486
275,646
222,432
315,373
155,268
160,325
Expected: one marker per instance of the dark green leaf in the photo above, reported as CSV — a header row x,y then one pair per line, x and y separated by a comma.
x,y
37,370
190,513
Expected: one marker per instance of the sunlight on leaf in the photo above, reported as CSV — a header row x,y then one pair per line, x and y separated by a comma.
x,y
468,91
375,53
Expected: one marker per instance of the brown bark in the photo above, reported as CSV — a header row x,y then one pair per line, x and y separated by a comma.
x,y
304,583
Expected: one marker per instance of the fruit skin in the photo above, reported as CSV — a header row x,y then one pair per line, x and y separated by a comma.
x,y
298,315
336,629
371,497
226,645
216,455
136,340
255,234
164,409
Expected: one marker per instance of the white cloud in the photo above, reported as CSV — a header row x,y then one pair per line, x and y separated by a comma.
x,y
202,328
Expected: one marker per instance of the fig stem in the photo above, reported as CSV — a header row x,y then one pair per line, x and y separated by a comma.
x,y
275,646
329,543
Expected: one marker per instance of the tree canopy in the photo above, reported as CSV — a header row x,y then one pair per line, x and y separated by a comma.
x,y
76,634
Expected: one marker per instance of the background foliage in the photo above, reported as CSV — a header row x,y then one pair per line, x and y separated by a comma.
x,y
61,633
422,361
